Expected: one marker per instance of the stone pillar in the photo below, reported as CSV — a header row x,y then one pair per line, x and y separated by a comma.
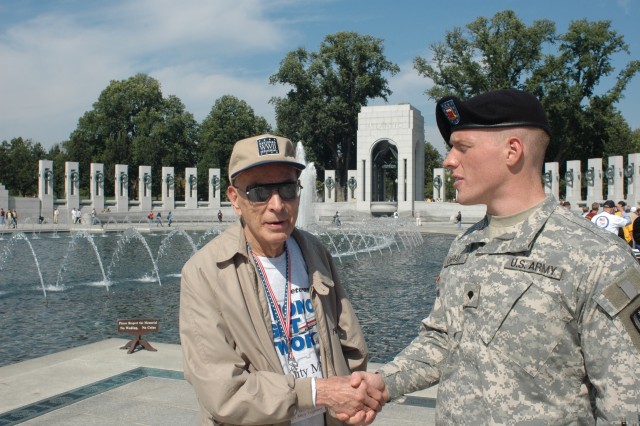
x,y
573,180
215,183
191,188
72,185
438,184
168,189
551,180
352,186
45,188
615,178
122,188
632,173
144,188
593,176
96,182
330,186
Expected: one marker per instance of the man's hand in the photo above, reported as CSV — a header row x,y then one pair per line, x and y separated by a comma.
x,y
349,402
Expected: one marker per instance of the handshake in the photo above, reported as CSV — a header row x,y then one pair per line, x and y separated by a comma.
x,y
355,399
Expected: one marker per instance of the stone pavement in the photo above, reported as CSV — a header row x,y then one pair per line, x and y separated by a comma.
x,y
101,384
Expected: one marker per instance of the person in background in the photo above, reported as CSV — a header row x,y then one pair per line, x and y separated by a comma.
x,y
14,219
585,211
625,233
56,215
566,205
268,334
608,220
220,216
536,314
169,218
2,216
159,219
594,211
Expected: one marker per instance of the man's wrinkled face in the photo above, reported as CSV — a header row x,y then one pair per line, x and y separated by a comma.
x,y
268,223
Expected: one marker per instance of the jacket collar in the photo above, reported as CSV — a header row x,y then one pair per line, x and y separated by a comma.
x,y
235,243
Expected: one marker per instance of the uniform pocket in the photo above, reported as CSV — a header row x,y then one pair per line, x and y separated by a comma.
x,y
526,327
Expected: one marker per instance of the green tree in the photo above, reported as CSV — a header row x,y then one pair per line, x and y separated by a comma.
x,y
19,166
131,123
490,54
229,121
328,89
502,52
583,116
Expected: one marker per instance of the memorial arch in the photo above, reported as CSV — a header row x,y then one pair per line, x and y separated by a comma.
x,y
390,159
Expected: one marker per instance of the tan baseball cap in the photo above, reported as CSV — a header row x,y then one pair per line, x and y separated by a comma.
x,y
260,150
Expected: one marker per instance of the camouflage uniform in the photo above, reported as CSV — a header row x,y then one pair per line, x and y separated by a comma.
x,y
535,326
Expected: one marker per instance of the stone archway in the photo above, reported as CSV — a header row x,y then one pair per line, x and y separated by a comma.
x,y
390,159
384,172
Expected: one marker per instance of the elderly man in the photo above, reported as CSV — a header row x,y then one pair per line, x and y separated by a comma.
x,y
265,325
537,313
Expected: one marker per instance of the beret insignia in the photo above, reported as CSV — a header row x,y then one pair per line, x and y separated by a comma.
x,y
450,111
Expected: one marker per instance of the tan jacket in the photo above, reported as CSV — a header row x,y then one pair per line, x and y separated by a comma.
x,y
227,341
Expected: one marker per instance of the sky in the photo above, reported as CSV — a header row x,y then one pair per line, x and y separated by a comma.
x,y
57,56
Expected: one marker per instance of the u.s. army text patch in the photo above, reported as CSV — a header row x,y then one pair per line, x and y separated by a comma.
x,y
534,266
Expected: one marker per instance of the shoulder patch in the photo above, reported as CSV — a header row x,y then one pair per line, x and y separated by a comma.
x,y
534,266
621,299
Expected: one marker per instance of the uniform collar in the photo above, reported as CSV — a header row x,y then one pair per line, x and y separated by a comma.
x,y
512,242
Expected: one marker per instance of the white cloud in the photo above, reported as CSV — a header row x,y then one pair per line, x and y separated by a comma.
x,y
55,65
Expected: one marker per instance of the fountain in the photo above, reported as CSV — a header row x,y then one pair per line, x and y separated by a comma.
x,y
307,197
143,280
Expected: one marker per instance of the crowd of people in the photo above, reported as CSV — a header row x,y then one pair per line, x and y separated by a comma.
x,y
9,218
618,218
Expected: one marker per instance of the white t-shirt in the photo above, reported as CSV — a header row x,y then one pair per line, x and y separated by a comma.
x,y
609,222
304,342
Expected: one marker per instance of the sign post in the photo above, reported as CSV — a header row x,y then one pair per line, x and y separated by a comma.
x,y
138,327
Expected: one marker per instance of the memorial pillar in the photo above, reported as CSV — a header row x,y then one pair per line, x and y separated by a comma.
x,y
215,183
45,188
551,180
191,188
144,188
72,185
330,186
593,176
122,188
97,186
573,183
632,173
438,184
168,189
615,178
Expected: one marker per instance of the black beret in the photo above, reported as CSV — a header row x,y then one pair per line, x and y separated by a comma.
x,y
497,109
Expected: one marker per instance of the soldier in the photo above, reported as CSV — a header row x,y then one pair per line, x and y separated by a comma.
x,y
537,313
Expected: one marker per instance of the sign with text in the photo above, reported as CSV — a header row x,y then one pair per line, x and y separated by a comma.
x,y
138,326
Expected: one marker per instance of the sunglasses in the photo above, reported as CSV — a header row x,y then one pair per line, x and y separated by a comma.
x,y
288,191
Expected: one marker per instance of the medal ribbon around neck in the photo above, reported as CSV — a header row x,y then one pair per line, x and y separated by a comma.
x,y
282,317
